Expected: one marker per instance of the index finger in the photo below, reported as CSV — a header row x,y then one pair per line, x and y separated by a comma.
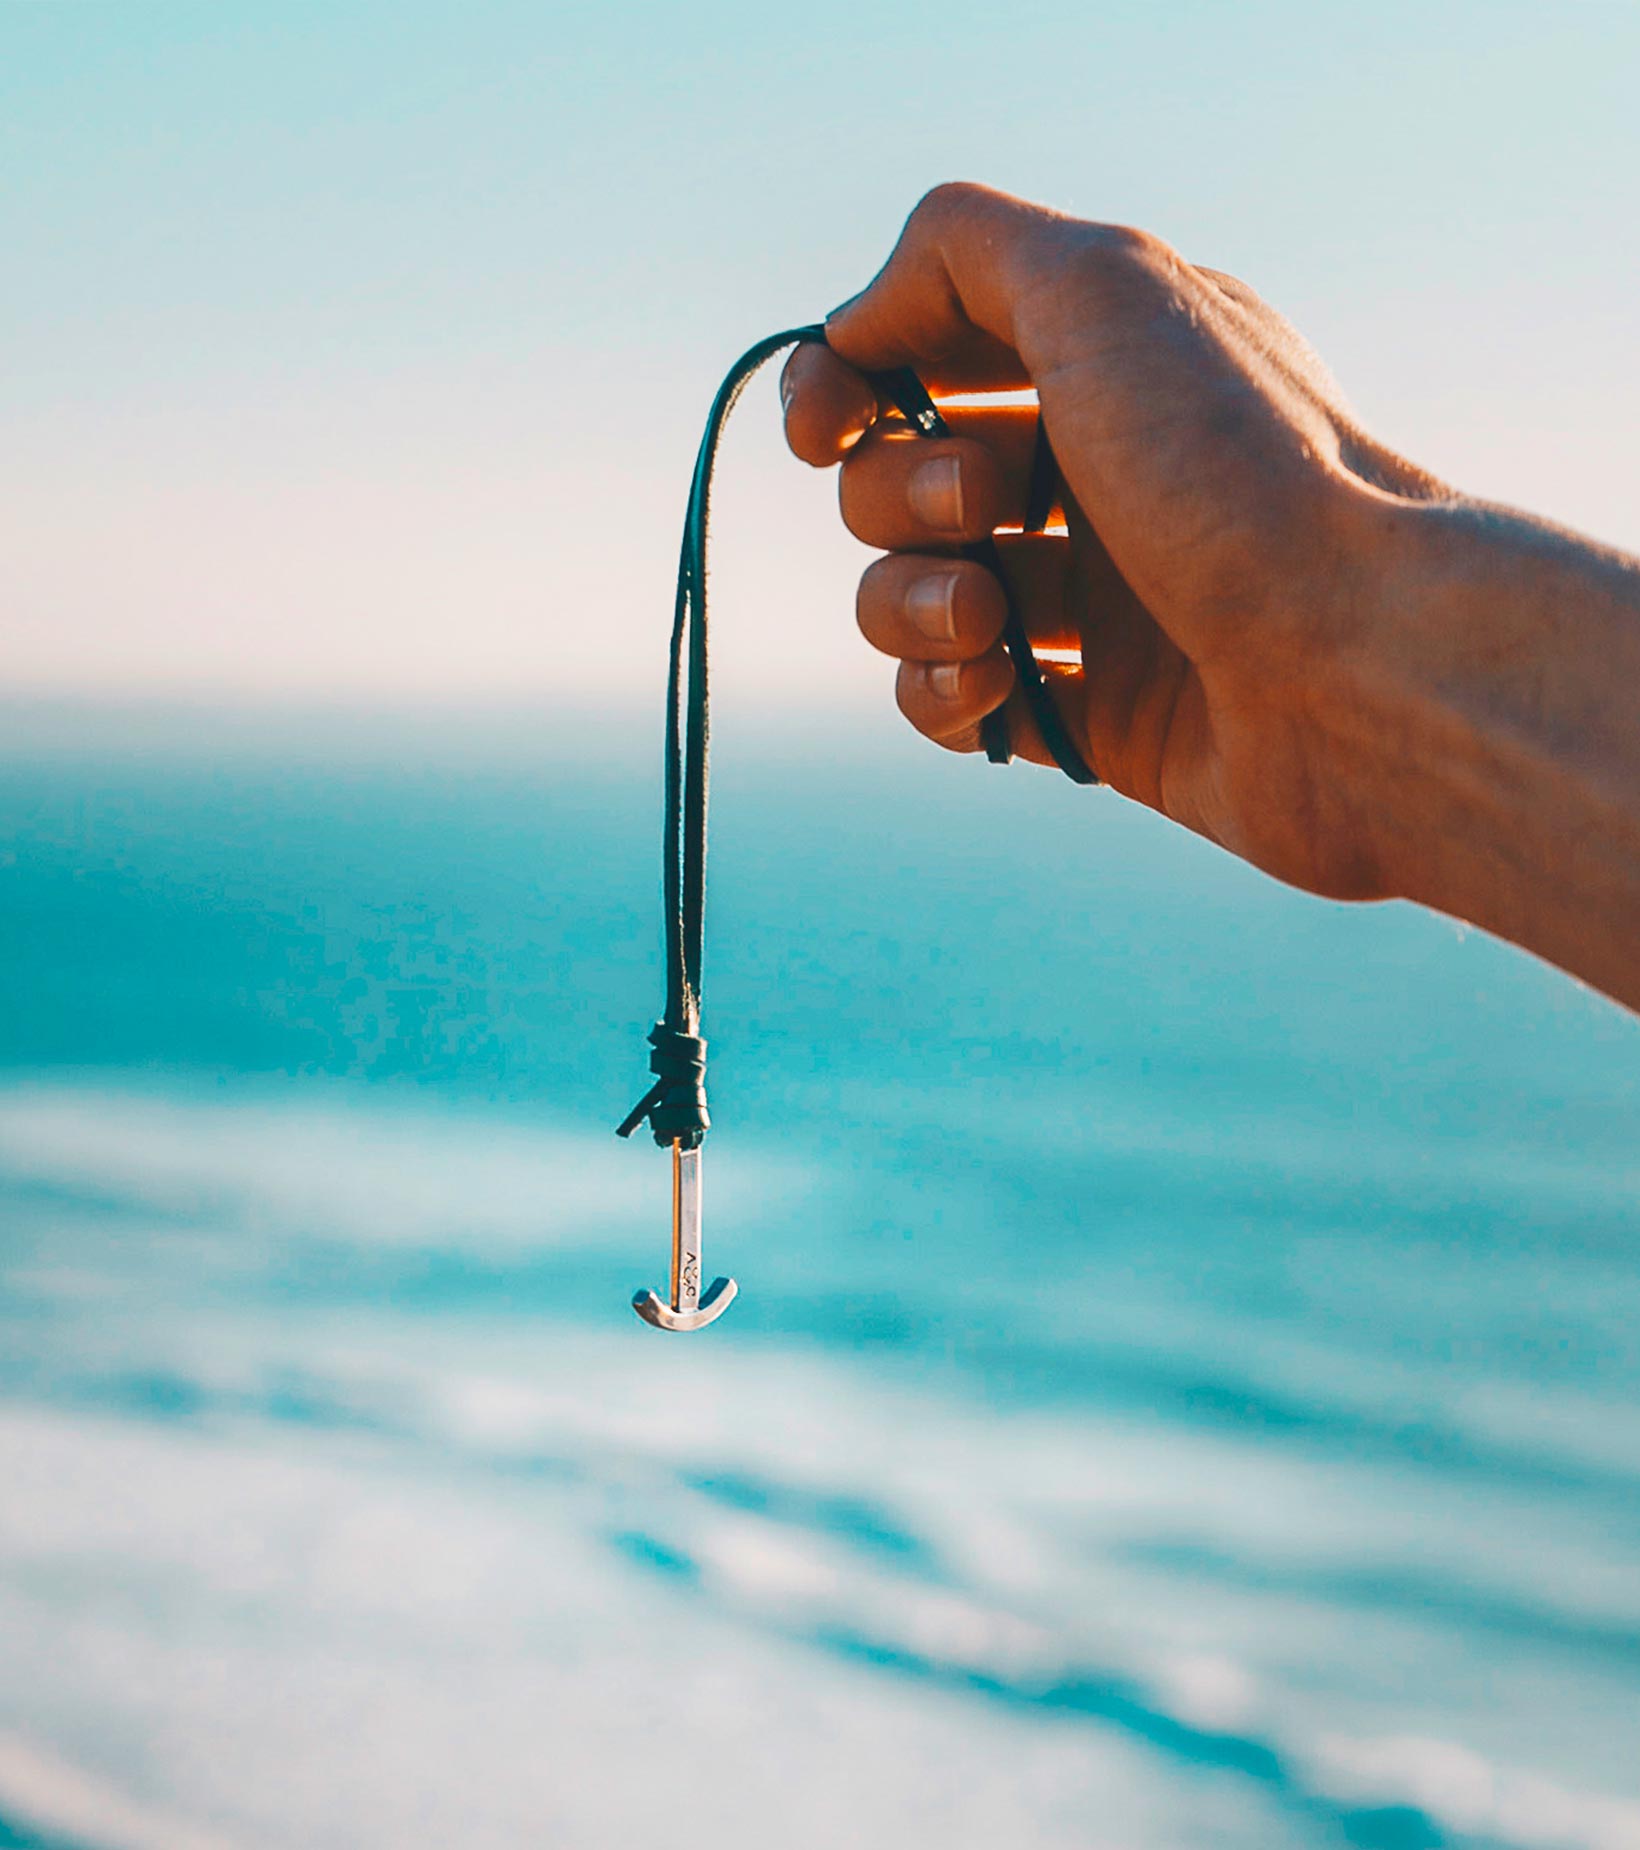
x,y
945,300
829,405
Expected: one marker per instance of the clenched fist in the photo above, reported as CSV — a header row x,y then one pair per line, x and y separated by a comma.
x,y
1291,639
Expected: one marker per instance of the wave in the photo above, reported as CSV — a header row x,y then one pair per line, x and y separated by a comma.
x,y
46,1803
375,1173
1148,1553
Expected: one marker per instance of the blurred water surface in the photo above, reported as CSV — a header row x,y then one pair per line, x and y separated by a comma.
x,y
1185,1390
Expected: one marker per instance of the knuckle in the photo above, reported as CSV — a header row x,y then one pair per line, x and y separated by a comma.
x,y
940,204
1231,286
909,694
1128,244
965,739
875,595
1108,259
950,207
802,439
1111,271
877,580
931,712
856,492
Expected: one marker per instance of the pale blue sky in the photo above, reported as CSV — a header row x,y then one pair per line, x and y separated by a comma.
x,y
359,350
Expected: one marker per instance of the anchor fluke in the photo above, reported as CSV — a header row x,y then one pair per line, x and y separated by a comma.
x,y
690,1308
720,1294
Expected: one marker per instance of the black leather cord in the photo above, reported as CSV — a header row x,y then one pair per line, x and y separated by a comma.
x,y
1044,489
909,394
675,1105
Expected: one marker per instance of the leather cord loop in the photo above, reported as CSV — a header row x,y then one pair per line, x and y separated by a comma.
x,y
910,395
1044,488
674,1107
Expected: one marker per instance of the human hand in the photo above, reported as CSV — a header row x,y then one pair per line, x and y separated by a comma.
x,y
1231,532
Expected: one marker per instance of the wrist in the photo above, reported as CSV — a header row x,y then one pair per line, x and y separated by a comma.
x,y
1500,676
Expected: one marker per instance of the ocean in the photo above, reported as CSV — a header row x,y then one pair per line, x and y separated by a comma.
x,y
1185,1387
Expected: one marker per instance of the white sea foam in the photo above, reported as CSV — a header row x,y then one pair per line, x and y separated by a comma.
x,y
515,1560
333,1652
1471,1795
331,1656
40,1789
369,1172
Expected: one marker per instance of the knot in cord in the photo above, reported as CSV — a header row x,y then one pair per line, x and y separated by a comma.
x,y
675,1105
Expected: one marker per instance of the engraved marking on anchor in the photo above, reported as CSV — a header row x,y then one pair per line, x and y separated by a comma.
x,y
689,1309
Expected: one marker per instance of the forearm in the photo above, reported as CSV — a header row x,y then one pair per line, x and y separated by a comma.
x,y
1511,701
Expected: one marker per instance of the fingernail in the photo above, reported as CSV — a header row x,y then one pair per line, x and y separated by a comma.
x,y
935,493
931,605
945,680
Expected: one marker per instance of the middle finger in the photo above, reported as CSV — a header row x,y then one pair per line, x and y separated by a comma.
x,y
900,491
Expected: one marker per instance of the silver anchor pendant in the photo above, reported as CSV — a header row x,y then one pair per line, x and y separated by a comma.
x,y
688,1310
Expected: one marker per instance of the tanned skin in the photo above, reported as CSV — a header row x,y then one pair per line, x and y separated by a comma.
x,y
1294,641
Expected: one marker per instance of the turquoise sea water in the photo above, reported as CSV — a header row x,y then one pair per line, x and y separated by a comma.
x,y
1185,1389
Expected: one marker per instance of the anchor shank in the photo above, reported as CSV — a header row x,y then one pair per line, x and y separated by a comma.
x,y
690,1307
686,1229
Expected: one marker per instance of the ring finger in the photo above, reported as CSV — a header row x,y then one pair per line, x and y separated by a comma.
x,y
901,491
